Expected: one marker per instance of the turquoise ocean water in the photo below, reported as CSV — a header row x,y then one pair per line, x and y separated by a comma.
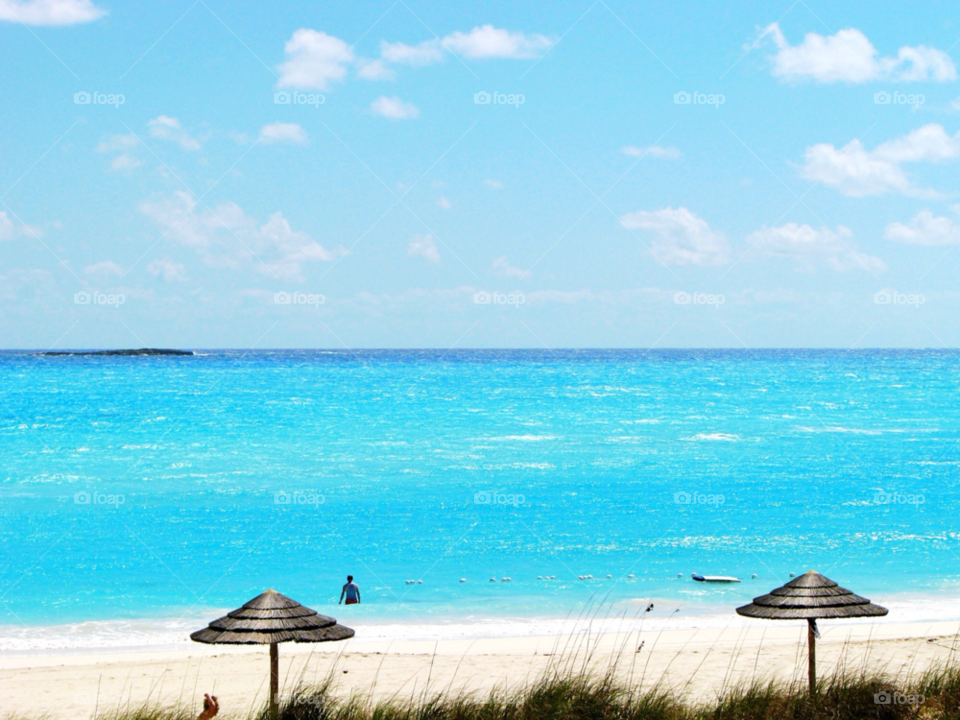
x,y
139,490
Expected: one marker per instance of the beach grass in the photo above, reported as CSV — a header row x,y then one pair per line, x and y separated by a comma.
x,y
580,696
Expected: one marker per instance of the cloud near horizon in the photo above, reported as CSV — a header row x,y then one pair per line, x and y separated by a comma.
x,y
848,56
49,12
808,247
858,172
926,229
680,237
315,60
169,128
656,151
226,237
11,228
424,246
282,132
394,108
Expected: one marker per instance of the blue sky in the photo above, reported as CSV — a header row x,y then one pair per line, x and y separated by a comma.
x,y
805,196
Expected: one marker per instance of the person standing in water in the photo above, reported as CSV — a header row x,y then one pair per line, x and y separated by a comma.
x,y
351,591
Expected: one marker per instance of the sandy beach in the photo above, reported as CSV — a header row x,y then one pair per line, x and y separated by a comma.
x,y
697,663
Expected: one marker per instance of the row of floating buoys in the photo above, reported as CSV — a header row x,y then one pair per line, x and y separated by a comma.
x,y
631,576
752,577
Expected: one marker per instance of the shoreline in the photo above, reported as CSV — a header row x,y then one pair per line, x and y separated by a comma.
x,y
699,663
171,633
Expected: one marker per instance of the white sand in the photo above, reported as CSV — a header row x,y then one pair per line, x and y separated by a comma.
x,y
698,662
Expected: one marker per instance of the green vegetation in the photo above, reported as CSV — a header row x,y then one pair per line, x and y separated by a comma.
x,y
565,695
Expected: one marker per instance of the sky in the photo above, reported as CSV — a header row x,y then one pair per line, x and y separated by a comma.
x,y
402,174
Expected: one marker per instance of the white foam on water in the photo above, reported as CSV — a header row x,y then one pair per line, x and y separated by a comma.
x,y
722,437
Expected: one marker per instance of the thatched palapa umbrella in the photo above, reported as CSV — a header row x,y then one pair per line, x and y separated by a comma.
x,y
270,619
809,597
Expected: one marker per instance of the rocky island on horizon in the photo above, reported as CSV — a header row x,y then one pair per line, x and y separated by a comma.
x,y
125,353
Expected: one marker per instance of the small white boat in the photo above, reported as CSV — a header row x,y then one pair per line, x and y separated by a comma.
x,y
715,578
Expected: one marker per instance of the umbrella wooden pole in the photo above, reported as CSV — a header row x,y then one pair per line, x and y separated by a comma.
x,y
274,677
812,656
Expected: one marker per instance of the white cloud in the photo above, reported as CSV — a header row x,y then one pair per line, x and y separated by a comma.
x,y
103,269
7,228
808,247
394,108
282,132
374,70
487,41
118,143
926,229
680,237
167,270
125,161
652,151
19,282
493,184
424,246
314,60
444,203
850,57
122,144
502,268
11,228
482,43
858,172
168,128
227,237
49,12
425,53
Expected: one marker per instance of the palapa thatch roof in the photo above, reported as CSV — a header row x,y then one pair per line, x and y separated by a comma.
x,y
272,618
810,596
